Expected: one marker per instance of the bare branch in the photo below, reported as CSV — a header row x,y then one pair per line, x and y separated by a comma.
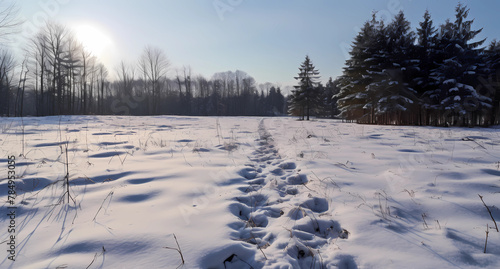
x,y
489,211
9,22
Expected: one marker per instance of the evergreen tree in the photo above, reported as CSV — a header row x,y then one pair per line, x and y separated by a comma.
x,y
280,102
425,50
306,96
444,78
319,110
374,86
490,81
457,73
352,99
395,67
328,99
275,102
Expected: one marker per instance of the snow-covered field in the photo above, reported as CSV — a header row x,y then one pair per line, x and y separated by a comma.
x,y
247,193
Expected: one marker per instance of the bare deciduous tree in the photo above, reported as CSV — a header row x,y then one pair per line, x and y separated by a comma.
x,y
7,65
37,51
9,22
126,78
153,65
56,39
8,26
102,76
67,79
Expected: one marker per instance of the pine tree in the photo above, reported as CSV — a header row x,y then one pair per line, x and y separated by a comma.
x,y
396,99
490,81
352,99
444,79
425,50
457,73
328,100
305,97
280,102
320,110
275,102
374,86
377,67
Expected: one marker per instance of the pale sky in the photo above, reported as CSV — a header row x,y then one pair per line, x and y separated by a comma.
x,y
267,39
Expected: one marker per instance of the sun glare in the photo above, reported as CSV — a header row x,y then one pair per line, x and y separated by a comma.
x,y
93,39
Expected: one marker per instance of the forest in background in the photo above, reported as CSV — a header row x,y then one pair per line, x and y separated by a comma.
x,y
441,76
59,77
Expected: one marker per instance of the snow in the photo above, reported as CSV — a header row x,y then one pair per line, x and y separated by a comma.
x,y
399,107
459,47
360,95
375,73
467,87
453,60
450,81
246,192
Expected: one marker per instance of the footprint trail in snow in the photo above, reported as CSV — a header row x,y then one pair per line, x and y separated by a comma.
x,y
278,217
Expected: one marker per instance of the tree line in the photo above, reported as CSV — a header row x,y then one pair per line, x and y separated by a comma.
x,y
435,76
225,94
440,76
58,76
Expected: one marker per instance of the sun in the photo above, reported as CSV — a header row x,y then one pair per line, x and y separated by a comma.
x,y
93,39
